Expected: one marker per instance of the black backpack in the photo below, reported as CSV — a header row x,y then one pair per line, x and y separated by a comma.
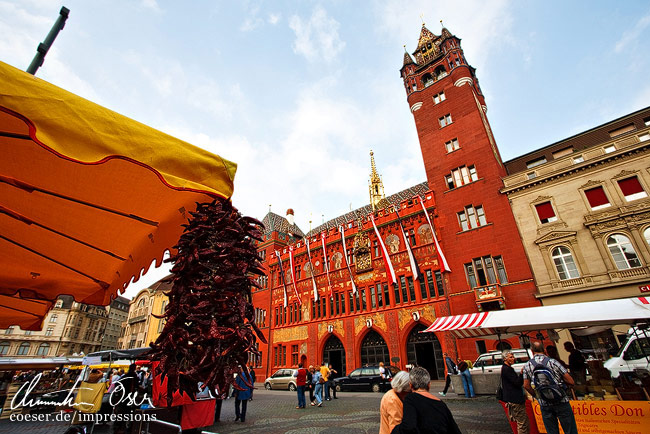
x,y
545,385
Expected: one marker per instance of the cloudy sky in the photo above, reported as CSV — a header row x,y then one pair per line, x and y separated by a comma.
x,y
297,93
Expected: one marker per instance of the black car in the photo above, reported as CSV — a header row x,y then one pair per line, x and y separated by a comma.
x,y
366,379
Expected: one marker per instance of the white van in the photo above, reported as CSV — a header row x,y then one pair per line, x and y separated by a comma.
x,y
634,354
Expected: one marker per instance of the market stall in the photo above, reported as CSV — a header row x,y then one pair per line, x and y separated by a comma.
x,y
603,401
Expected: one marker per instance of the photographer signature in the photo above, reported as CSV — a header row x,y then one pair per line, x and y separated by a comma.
x,y
119,396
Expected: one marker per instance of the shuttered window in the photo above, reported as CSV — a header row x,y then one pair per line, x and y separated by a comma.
x,y
597,198
631,188
545,212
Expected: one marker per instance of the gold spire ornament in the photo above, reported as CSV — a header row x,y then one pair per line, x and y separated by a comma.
x,y
376,186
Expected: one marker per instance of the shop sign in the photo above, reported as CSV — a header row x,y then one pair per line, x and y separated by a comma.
x,y
644,288
606,417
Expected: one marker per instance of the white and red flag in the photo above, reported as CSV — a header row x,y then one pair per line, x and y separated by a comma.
x,y
390,271
325,266
293,275
284,284
345,256
444,266
311,270
415,269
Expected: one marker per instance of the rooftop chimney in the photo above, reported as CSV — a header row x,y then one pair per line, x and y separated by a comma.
x,y
290,216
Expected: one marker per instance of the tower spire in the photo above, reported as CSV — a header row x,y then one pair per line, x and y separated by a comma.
x,y
376,186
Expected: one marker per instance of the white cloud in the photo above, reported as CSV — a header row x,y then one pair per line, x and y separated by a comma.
x,y
317,38
253,21
151,4
631,35
274,18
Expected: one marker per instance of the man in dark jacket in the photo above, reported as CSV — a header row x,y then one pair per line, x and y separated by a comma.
x,y
451,370
513,393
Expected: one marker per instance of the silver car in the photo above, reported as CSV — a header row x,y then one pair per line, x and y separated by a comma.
x,y
282,379
490,363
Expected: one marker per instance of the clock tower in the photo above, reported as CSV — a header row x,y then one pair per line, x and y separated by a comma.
x,y
475,224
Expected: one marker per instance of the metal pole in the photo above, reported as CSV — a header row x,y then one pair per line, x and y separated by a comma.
x,y
44,47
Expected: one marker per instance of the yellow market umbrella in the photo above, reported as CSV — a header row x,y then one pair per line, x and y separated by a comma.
x,y
88,197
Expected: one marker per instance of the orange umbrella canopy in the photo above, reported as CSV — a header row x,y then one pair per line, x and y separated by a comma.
x,y
88,198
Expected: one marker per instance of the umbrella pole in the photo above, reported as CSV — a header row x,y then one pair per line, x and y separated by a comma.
x,y
44,47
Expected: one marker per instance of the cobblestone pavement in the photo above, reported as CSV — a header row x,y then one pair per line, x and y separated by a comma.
x,y
274,412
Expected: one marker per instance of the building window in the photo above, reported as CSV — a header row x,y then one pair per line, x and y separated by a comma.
x,y
411,286
10,330
531,175
427,80
564,263
578,159
444,121
483,271
597,198
23,349
646,234
631,188
54,317
471,217
461,176
536,162
438,98
626,129
562,152
623,252
402,284
545,212
609,149
49,331
452,145
4,348
644,137
441,288
294,355
43,349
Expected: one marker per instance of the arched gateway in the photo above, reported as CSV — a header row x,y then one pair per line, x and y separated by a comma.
x,y
423,349
334,353
374,349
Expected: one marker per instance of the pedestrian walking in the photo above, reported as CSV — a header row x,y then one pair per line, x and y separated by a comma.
x,y
310,384
465,375
253,378
513,393
550,380
332,384
577,364
243,391
452,369
391,408
325,373
423,412
317,381
301,380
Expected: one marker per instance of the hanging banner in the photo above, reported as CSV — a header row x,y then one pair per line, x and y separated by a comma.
x,y
606,417
415,269
284,284
311,270
345,256
327,268
390,271
293,275
444,266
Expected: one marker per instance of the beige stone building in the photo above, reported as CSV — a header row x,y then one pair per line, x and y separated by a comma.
x,y
118,312
582,206
70,328
141,327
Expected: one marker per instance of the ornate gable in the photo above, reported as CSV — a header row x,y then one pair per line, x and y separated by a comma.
x,y
555,236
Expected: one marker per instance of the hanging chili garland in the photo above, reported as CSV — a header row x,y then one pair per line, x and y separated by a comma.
x,y
210,329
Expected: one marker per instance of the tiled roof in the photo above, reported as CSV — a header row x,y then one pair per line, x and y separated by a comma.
x,y
276,223
393,199
408,60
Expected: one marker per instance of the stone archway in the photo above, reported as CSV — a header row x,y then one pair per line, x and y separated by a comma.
x,y
374,349
334,354
423,349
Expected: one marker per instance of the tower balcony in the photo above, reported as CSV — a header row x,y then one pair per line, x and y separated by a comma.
x,y
489,297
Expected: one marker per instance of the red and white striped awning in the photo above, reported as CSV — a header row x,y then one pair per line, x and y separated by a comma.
x,y
463,326
509,322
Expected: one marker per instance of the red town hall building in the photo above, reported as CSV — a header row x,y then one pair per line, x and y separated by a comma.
x,y
380,322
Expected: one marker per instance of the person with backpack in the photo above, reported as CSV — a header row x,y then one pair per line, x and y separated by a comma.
x,y
466,377
513,393
547,380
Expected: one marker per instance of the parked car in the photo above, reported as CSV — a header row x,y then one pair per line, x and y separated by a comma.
x,y
490,363
282,379
366,379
